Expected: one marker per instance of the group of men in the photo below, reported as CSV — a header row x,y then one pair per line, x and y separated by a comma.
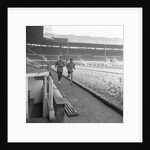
x,y
59,65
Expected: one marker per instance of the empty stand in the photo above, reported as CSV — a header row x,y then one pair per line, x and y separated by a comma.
x,y
114,53
50,57
34,57
86,54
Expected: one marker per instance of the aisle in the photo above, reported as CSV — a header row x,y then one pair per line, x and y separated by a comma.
x,y
90,109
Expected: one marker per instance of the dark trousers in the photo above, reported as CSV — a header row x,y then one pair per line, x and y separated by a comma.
x,y
50,74
59,75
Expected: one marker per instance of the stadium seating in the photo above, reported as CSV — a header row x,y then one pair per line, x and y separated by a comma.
x,y
41,62
114,53
75,58
91,58
34,57
95,52
44,50
52,53
63,51
51,57
75,52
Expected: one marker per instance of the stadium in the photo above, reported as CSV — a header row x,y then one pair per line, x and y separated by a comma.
x,y
96,95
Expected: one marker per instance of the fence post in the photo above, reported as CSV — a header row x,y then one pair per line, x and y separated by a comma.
x,y
45,102
51,109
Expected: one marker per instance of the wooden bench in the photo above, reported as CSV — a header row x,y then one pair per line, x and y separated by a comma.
x,y
59,102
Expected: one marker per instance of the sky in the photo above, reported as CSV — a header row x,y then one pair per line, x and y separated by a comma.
x,y
95,31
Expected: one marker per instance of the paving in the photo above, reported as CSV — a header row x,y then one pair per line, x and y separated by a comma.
x,y
90,109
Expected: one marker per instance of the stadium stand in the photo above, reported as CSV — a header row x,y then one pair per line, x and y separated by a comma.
x,y
91,58
63,51
50,57
34,57
114,53
84,50
76,54
75,58
41,63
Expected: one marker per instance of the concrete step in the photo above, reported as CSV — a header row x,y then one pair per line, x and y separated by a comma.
x,y
37,111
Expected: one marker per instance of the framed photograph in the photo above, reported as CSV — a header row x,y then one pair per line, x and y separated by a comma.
x,y
75,75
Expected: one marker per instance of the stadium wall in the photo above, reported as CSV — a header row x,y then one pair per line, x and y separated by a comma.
x,y
35,86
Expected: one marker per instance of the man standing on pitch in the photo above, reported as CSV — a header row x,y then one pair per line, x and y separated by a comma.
x,y
70,66
59,64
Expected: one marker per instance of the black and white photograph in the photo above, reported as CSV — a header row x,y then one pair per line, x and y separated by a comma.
x,y
74,74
